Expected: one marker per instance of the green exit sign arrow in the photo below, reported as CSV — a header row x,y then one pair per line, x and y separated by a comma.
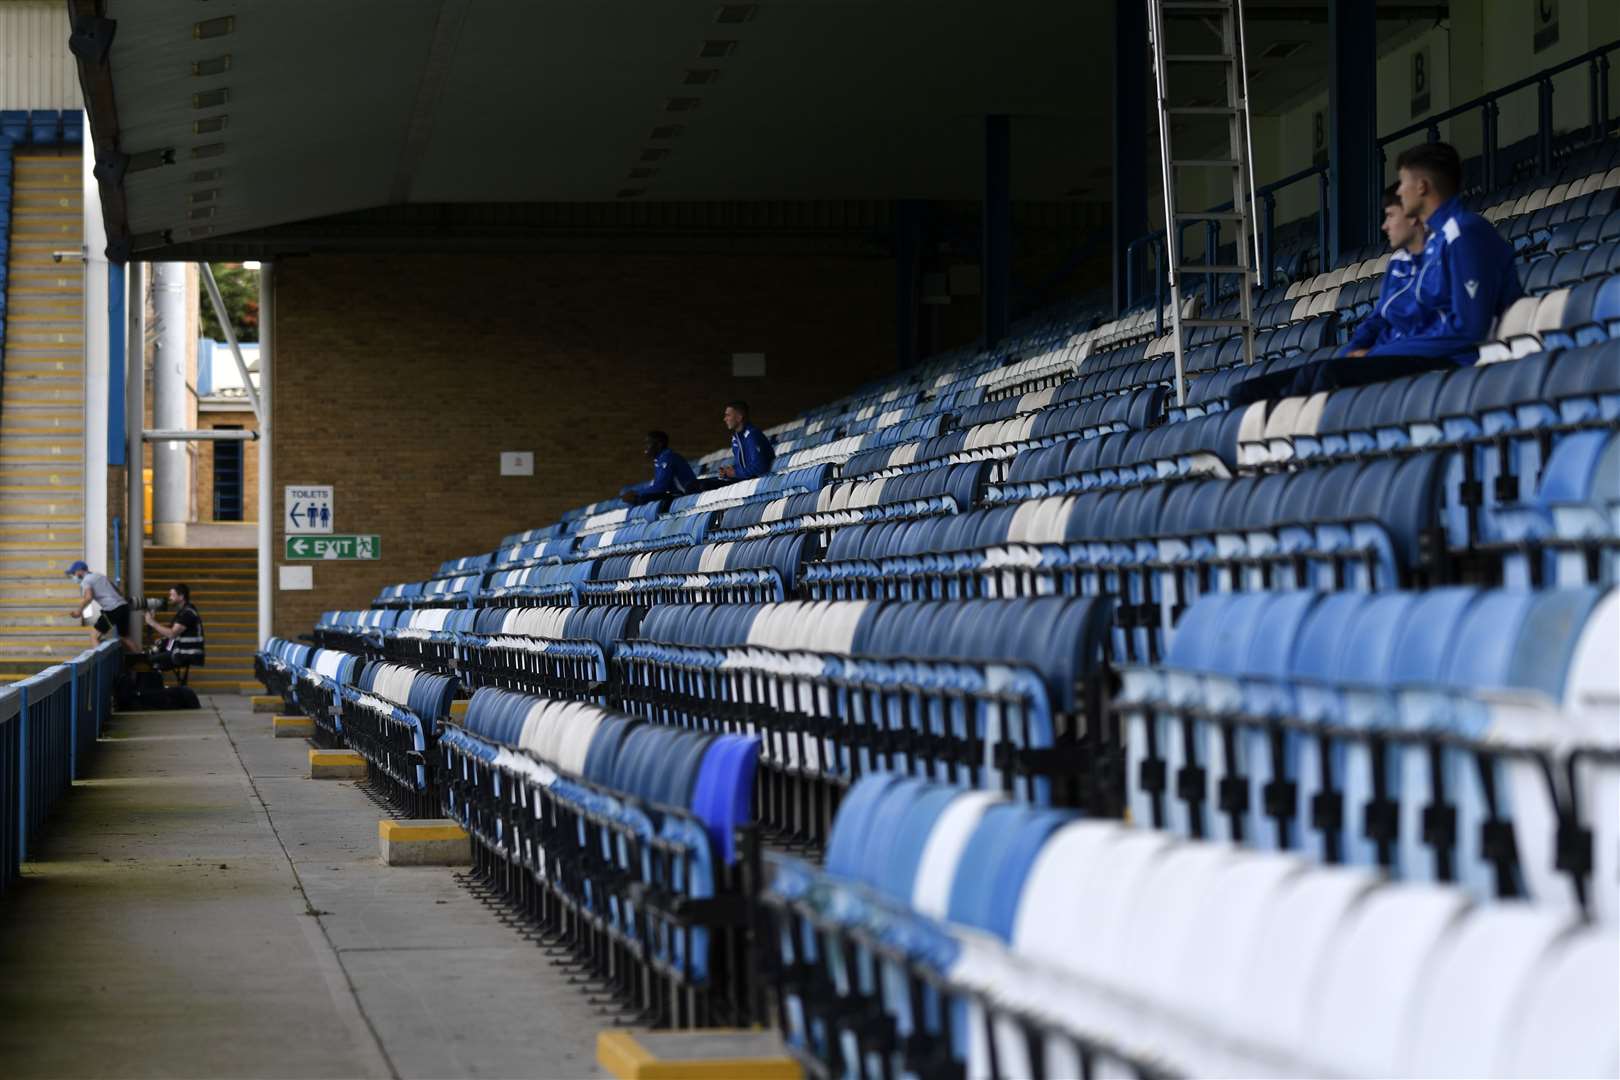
x,y
334,547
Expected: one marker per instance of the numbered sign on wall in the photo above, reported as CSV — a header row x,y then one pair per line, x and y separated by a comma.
x,y
1422,72
1545,20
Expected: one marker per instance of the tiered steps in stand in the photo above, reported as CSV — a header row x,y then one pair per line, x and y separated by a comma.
x,y
42,417
225,589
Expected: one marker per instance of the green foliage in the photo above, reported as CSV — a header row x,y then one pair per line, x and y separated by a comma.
x,y
239,289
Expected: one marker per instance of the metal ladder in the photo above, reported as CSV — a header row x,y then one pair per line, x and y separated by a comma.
x,y
1223,21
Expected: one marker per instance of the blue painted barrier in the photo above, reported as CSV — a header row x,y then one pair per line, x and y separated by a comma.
x,y
49,723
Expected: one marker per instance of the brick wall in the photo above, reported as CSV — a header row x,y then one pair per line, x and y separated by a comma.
x,y
203,464
400,379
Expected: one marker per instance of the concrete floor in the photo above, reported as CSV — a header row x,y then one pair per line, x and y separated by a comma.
x,y
199,908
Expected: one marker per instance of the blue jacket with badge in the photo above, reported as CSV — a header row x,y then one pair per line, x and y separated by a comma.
x,y
1465,279
751,452
671,476
1397,313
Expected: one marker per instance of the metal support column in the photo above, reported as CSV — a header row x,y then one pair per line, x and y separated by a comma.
x,y
97,373
267,513
135,424
996,249
1352,125
1130,142
171,461
117,330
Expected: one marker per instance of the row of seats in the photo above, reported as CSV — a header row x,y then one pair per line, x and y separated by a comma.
x,y
1017,583
957,933
309,679
391,715
1260,727
42,127
621,833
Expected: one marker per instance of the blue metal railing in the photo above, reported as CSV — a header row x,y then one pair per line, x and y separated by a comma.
x,y
1267,198
49,723
1597,64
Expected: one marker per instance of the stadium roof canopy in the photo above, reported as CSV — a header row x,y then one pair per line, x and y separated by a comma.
x,y
242,116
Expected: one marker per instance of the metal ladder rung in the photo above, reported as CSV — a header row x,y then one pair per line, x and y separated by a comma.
x,y
1225,19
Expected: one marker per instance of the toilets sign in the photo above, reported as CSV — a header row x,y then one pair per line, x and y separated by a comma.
x,y
309,510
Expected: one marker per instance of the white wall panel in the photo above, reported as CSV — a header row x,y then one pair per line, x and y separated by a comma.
x,y
36,69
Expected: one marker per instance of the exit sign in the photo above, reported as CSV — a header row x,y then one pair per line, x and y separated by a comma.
x,y
334,547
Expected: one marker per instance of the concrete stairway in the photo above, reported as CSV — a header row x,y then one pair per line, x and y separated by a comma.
x,y
225,589
42,418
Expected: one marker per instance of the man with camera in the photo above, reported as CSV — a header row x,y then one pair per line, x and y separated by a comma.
x,y
181,644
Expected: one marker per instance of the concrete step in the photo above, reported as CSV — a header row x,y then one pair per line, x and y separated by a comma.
x,y
67,309
36,397
212,576
42,620
19,424
19,468
13,668
13,545
205,563
49,200
31,334
41,654
25,474
66,529
55,280
43,201
24,364
32,487
37,564
46,387
18,627
19,595
219,605
228,620
34,320
37,656
35,410
67,503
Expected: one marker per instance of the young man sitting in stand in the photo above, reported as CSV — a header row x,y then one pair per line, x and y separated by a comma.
x,y
1465,279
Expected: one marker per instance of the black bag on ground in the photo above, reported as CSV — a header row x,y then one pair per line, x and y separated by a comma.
x,y
144,691
180,697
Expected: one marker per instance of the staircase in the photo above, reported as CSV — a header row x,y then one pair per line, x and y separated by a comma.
x,y
42,417
225,590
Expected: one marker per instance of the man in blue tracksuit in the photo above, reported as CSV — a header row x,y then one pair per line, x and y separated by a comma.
x,y
1397,313
671,474
751,452
1465,279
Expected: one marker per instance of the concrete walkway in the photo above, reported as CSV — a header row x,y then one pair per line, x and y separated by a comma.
x,y
199,908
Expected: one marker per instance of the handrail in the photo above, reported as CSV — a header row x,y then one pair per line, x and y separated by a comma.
x,y
48,721
1267,198
1501,91
1597,59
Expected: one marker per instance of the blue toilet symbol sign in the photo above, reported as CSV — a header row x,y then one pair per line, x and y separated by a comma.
x,y
308,509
